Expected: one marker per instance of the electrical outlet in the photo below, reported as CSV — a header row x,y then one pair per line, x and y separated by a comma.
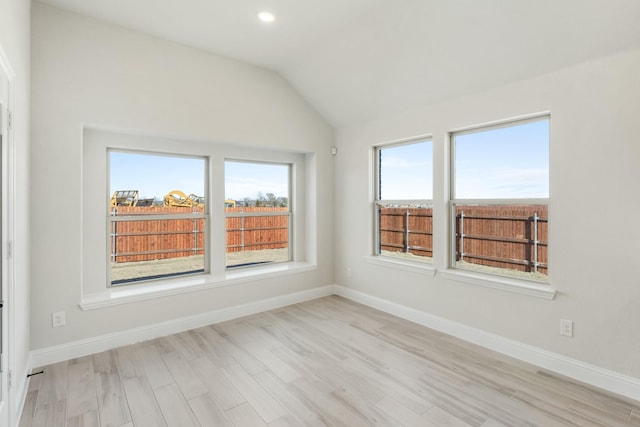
x,y
58,319
566,327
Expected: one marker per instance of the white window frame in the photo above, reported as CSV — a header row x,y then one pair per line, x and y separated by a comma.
x,y
484,278
114,219
425,266
96,140
288,213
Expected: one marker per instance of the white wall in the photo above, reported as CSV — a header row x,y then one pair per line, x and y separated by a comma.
x,y
15,41
594,208
86,71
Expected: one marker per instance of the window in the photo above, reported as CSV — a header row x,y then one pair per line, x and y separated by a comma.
x,y
128,178
258,213
499,199
157,216
403,201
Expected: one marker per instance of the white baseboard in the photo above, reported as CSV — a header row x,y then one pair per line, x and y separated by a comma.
x,y
85,347
584,372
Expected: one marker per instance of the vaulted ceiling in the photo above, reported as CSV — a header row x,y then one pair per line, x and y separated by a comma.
x,y
357,60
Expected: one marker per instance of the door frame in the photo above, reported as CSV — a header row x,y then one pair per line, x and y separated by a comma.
x,y
7,258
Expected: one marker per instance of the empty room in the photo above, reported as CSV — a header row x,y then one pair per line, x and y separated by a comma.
x,y
319,213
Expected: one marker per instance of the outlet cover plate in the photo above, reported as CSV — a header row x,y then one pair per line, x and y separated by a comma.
x,y
58,318
566,328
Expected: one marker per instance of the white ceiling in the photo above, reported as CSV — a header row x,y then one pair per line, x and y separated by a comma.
x,y
356,60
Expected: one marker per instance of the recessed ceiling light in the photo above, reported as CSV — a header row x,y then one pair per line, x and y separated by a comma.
x,y
266,17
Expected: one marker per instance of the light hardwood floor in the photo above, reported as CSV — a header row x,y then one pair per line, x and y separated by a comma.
x,y
327,362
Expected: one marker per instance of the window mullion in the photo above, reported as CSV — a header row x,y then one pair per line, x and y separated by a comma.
x,y
257,214
153,217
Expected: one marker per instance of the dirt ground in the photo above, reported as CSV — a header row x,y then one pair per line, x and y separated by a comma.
x,y
131,270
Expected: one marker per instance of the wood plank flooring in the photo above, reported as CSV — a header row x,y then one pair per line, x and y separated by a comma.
x,y
327,362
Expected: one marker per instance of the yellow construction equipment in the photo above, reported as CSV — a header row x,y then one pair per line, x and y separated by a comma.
x,y
124,198
229,203
177,198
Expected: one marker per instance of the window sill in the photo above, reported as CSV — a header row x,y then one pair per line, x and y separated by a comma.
x,y
141,292
399,264
502,283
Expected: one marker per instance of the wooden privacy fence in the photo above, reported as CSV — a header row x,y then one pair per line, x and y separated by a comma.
x,y
152,239
408,230
266,231
505,236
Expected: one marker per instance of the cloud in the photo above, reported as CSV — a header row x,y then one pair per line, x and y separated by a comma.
x,y
504,183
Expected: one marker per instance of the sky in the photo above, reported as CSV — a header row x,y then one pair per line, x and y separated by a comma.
x,y
244,179
406,171
502,163
155,175
508,162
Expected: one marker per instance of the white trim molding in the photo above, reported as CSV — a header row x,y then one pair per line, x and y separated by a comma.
x,y
7,231
22,387
507,284
85,347
141,292
584,372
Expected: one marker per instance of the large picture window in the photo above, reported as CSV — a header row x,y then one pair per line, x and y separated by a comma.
x,y
499,199
157,216
403,201
162,216
258,213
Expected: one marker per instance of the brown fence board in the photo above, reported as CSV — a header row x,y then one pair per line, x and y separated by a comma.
x,y
498,235
393,230
257,232
503,236
147,240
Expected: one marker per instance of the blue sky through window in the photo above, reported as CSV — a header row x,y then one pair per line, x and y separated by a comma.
x,y
246,180
503,163
156,175
500,163
406,171
508,162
